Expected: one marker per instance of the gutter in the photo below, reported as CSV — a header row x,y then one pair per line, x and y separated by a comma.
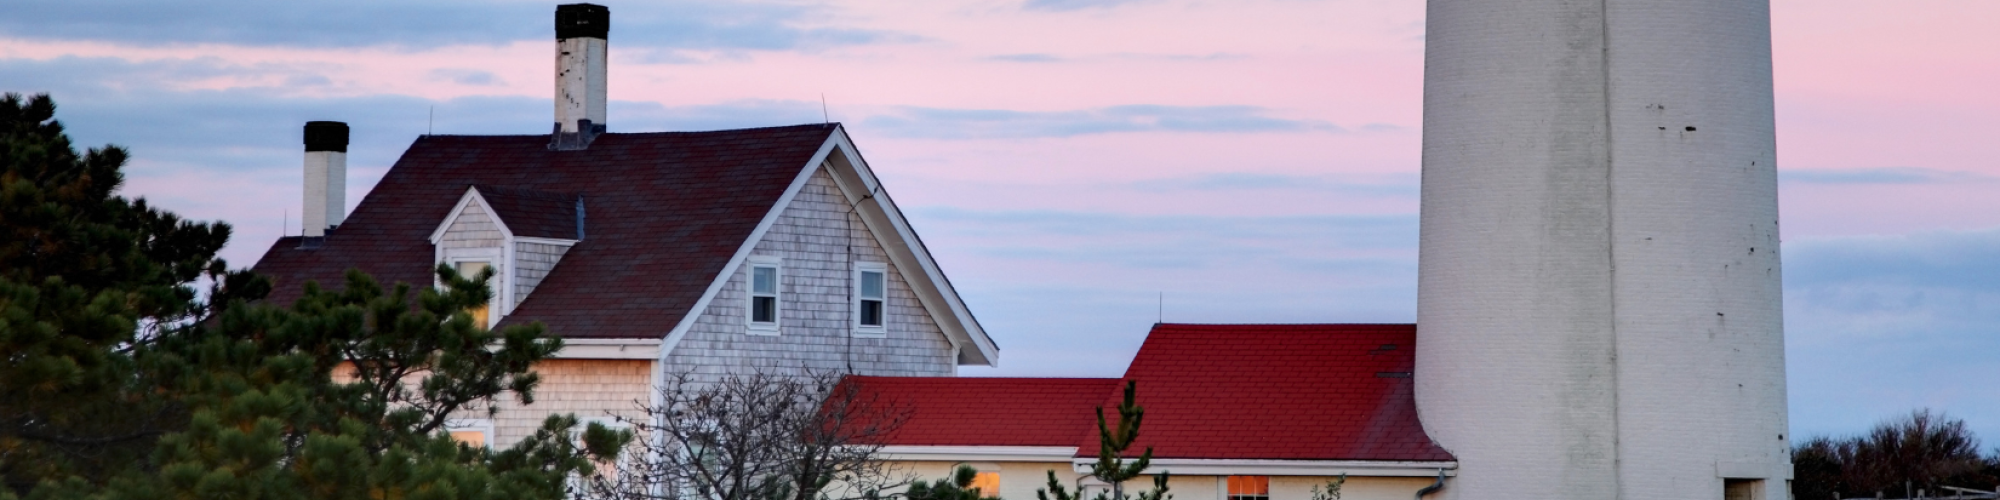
x,y
1433,488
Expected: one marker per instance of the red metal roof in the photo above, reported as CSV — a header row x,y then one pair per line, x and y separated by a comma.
x,y
664,213
1274,392
1280,392
948,411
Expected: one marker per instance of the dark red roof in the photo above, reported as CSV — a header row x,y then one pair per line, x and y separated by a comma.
x,y
1280,392
535,214
1274,392
664,212
948,411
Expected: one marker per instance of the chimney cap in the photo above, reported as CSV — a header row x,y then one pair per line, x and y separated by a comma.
x,y
326,136
582,20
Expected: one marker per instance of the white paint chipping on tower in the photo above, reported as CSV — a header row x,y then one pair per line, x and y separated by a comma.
x,y
326,177
581,31
1599,303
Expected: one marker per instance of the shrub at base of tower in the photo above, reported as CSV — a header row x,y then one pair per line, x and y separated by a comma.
x,y
1921,451
1111,467
122,382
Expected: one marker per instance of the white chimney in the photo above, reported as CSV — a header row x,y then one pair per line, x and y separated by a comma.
x,y
580,51
326,177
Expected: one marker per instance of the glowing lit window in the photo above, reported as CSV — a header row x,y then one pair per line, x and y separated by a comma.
x,y
987,484
472,432
470,269
1249,487
871,293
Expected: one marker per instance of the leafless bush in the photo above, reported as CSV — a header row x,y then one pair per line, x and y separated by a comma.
x,y
760,436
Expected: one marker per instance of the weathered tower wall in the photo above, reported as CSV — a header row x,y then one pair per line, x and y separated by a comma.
x,y
1599,304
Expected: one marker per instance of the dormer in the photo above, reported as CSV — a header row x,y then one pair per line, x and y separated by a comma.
x,y
520,233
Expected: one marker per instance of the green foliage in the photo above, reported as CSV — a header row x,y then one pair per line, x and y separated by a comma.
x,y
1923,450
956,487
123,382
1332,491
1111,466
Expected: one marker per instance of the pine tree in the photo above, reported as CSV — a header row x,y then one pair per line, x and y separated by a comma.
x,y
1111,466
122,382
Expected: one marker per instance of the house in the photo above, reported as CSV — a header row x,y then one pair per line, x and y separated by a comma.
x,y
1233,412
649,254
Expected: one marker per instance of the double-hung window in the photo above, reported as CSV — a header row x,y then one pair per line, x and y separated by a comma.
x,y
764,305
1249,488
871,298
470,269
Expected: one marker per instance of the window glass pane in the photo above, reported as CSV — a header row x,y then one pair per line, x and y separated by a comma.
x,y
471,437
871,285
987,484
470,270
765,280
764,309
1249,487
871,313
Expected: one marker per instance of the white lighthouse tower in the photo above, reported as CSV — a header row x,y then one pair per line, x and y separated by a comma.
x,y
1599,304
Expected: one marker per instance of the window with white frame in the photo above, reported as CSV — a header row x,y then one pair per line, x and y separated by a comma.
x,y
474,432
606,478
871,298
765,279
470,269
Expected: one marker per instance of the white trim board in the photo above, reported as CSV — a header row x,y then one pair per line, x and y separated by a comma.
x,y
1234,467
609,349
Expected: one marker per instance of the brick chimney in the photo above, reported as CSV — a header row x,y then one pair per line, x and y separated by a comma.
x,y
580,51
326,177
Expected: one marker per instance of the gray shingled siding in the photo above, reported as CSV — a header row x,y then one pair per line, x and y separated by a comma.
x,y
473,229
816,318
534,260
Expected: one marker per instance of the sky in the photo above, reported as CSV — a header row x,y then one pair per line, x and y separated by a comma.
x,y
1084,168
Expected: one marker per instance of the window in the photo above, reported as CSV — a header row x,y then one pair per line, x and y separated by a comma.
x,y
871,292
470,269
472,432
606,478
987,484
1249,488
764,305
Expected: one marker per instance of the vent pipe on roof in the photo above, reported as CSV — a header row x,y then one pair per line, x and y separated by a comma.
x,y
326,177
580,90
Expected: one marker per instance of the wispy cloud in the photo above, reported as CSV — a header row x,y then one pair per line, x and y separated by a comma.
x,y
1888,175
418,25
940,123
1880,325
1399,186
463,76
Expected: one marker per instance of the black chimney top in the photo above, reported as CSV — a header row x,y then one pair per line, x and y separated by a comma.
x,y
326,136
582,20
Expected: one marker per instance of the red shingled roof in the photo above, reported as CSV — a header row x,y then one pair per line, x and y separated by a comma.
x,y
950,411
1281,392
664,213
1273,392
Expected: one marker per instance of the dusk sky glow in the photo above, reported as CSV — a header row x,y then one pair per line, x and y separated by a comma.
x,y
1071,162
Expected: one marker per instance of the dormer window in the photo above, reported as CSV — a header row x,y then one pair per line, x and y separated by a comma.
x,y
871,293
470,269
764,304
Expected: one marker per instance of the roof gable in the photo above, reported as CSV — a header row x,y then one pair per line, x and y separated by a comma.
x,y
666,213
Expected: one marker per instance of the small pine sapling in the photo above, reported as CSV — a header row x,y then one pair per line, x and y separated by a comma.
x,y
1111,467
